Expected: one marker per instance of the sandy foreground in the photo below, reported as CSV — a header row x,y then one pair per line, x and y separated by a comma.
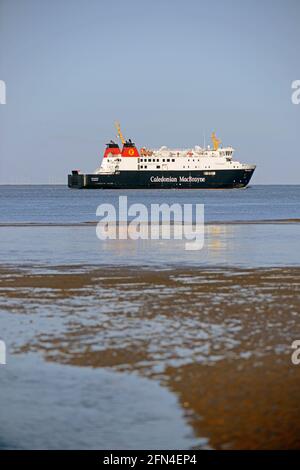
x,y
220,339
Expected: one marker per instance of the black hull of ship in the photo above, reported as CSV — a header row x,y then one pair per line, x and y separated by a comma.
x,y
222,179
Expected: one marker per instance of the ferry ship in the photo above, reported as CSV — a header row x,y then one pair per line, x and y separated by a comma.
x,y
199,167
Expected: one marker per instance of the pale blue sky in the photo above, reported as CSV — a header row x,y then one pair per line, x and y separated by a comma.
x,y
167,70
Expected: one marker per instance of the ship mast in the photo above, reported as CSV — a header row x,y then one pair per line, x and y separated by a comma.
x,y
118,127
215,140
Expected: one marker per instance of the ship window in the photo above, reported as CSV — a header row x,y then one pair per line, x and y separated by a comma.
x,y
145,166
164,159
168,160
142,166
157,160
173,159
158,166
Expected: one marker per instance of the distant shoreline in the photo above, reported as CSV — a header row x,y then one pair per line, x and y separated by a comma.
x,y
93,223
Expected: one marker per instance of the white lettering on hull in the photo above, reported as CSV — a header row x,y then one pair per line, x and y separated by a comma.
x,y
191,179
174,179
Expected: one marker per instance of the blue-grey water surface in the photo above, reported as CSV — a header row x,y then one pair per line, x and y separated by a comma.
x,y
58,204
259,244
43,230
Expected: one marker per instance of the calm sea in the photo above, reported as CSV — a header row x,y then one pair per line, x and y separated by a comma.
x,y
60,235
58,204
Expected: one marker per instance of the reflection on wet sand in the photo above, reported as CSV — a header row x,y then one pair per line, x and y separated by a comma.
x,y
219,338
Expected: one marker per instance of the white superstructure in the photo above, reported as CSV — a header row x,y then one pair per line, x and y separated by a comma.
x,y
165,159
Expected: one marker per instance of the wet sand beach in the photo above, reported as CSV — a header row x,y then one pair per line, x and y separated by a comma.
x,y
218,338
135,344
